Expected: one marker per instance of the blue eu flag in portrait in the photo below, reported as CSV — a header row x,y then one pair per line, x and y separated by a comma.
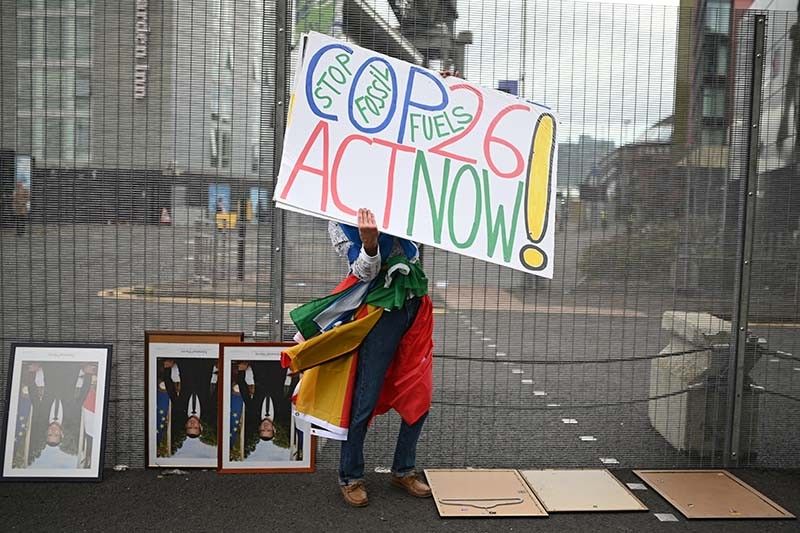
x,y
237,406
162,410
23,417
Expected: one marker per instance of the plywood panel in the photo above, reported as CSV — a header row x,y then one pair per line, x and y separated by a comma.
x,y
581,490
482,493
711,494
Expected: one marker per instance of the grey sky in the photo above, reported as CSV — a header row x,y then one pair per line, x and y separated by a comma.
x,y
608,68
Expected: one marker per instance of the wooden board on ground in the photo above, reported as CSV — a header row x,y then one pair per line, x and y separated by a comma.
x,y
482,493
711,494
581,490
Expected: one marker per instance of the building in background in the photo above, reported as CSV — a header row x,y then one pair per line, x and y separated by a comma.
x,y
417,31
778,208
126,104
130,107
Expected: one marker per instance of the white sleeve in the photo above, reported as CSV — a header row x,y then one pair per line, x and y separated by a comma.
x,y
175,374
365,267
38,379
248,376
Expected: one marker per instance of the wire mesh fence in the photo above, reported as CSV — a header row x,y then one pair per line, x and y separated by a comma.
x,y
152,133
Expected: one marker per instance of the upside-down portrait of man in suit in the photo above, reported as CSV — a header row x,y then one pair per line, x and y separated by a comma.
x,y
192,388
57,392
267,403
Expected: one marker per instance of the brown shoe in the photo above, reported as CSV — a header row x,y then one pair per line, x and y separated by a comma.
x,y
412,485
355,494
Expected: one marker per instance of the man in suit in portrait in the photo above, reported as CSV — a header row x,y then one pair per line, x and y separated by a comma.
x,y
192,388
261,384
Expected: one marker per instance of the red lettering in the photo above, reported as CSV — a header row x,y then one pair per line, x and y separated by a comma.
x,y
491,138
387,209
439,148
335,172
321,128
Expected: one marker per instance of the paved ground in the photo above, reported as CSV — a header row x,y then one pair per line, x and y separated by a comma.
x,y
515,357
204,501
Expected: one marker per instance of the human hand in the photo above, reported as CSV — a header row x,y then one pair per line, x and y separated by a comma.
x,y
368,231
169,363
242,366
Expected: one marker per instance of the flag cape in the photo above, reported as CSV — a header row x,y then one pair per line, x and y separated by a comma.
x,y
328,355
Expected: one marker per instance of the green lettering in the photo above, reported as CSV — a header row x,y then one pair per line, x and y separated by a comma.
x,y
438,121
462,116
497,227
452,129
437,212
343,60
451,210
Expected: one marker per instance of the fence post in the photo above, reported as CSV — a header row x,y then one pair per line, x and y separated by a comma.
x,y
744,256
282,64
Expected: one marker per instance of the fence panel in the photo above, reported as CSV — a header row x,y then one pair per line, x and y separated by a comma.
x,y
154,132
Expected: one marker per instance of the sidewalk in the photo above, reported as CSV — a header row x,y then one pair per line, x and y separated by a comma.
x,y
138,500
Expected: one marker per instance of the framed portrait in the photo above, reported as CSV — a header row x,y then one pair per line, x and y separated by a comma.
x,y
258,429
57,405
181,380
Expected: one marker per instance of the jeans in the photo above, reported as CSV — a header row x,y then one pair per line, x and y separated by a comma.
x,y
374,357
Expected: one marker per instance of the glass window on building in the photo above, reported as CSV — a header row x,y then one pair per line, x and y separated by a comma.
x,y
24,89
24,41
722,60
52,38
83,87
53,90
38,86
225,149
81,139
713,102
52,138
83,4
213,142
68,90
715,136
68,139
718,16
37,137
24,144
60,90
68,38
254,163
715,57
83,37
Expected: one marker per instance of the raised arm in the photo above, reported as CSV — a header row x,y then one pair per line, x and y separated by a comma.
x,y
365,263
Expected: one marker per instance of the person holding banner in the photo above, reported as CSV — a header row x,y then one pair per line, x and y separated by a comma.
x,y
373,338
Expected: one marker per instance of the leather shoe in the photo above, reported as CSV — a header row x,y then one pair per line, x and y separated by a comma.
x,y
412,485
355,494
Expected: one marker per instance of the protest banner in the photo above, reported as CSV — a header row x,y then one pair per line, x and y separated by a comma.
x,y
439,161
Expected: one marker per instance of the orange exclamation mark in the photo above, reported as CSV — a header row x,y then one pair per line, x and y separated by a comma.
x,y
537,197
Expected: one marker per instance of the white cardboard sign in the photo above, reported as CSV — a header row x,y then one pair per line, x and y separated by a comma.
x,y
439,161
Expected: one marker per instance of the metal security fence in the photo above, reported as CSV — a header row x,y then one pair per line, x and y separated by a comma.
x,y
670,334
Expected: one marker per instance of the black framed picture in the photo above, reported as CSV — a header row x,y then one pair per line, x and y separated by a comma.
x,y
181,394
56,410
258,430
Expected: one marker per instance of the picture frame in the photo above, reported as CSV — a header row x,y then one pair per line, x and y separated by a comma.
x,y
180,397
258,430
56,412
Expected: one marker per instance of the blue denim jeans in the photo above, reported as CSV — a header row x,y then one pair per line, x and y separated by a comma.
x,y
374,357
